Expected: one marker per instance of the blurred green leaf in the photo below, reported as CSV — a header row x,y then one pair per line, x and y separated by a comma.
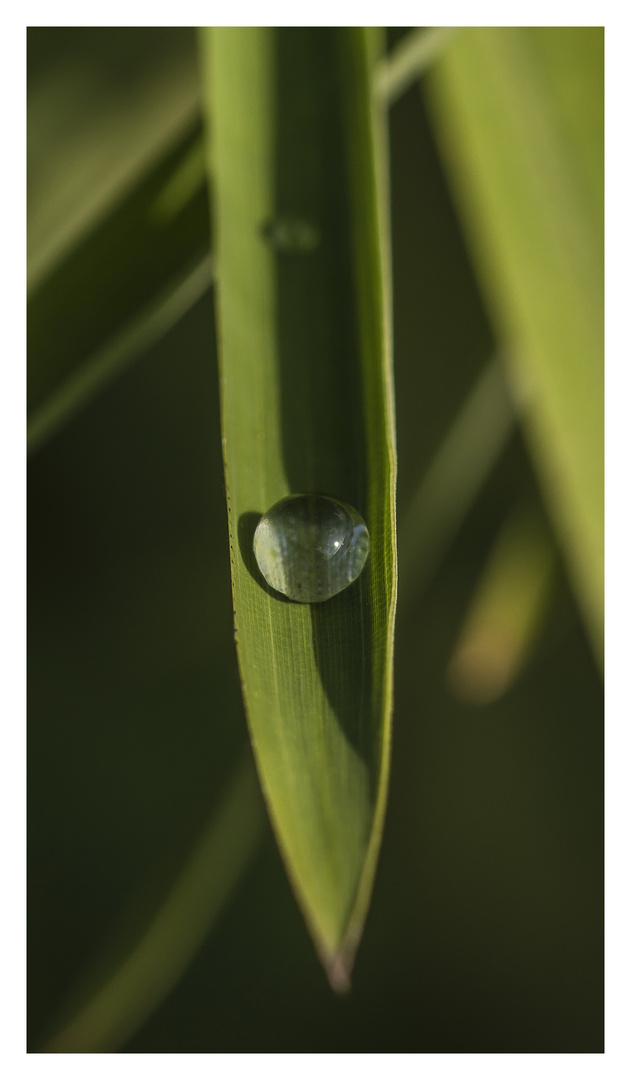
x,y
298,181
471,447
109,1012
118,269
96,371
409,59
519,114
103,103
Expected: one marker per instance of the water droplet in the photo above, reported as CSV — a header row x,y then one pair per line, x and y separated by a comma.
x,y
310,547
292,234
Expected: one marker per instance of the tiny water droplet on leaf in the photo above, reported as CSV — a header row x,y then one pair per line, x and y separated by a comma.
x,y
294,235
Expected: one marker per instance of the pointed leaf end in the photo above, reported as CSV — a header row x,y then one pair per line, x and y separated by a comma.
x,y
339,964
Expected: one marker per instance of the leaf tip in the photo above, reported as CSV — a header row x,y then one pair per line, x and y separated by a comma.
x,y
338,974
338,966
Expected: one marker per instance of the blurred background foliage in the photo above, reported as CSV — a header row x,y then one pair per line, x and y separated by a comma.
x,y
486,927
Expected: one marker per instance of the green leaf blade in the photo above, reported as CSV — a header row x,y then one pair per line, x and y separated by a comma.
x,y
307,407
520,118
130,261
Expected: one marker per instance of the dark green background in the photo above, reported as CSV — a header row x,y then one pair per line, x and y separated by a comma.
x,y
486,927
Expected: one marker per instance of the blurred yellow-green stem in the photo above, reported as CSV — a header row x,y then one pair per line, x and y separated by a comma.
x,y
506,611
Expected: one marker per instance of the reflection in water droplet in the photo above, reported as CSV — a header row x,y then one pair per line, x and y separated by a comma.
x,y
292,234
310,547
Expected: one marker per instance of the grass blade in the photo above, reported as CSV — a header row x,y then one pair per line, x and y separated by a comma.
x,y
122,1000
112,283
463,461
409,60
298,174
520,117
88,378
103,104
